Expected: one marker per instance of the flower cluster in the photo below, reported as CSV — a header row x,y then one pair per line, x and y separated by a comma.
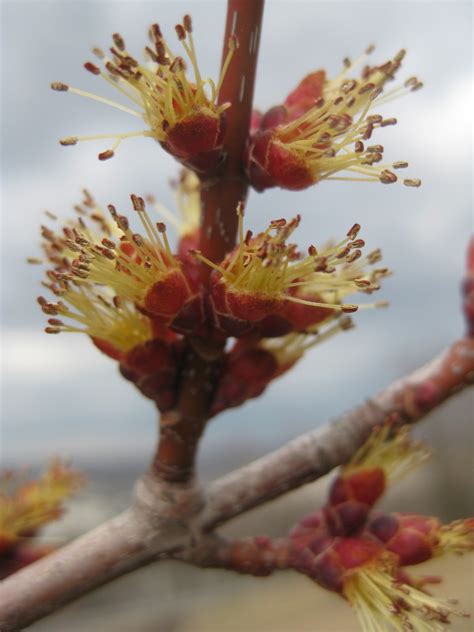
x,y
26,506
323,127
184,115
361,554
137,299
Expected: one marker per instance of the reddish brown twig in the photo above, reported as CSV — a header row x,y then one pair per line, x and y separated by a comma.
x,y
181,429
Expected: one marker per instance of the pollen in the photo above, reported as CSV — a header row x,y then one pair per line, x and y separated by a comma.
x,y
160,89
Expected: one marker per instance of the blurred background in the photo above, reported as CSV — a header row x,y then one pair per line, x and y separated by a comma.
x,y
60,396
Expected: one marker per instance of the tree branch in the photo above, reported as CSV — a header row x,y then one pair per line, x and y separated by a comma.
x,y
159,521
167,518
316,453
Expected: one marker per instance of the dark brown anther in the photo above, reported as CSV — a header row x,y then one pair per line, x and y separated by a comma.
x,y
59,86
349,309
55,322
41,300
82,274
161,227
138,240
138,203
122,222
108,243
107,253
188,24
354,256
113,70
52,330
343,253
118,41
375,149
368,131
90,67
358,243
155,32
359,147
50,309
106,155
177,65
387,177
353,231
374,118
312,251
180,32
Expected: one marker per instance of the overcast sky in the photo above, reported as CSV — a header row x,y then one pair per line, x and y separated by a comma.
x,y
59,394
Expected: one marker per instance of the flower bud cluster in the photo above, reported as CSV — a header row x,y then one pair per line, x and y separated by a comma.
x,y
347,548
26,506
139,301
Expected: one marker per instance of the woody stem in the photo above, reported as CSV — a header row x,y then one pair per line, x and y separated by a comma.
x,y
181,429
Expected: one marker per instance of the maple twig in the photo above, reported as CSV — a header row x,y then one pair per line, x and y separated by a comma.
x,y
181,430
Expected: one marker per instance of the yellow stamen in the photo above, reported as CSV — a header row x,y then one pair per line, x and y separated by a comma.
x,y
164,94
384,605
391,450
341,119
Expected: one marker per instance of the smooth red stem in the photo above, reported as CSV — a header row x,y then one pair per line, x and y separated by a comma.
x,y
220,195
